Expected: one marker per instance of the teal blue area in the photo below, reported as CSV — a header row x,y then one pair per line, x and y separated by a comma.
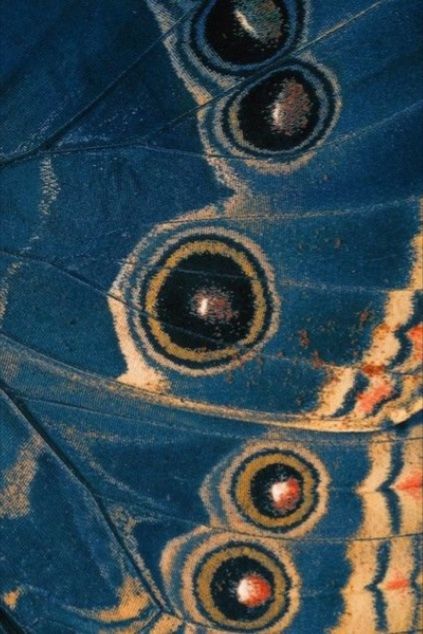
x,y
101,145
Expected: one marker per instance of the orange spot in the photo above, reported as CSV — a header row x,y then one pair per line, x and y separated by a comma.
x,y
399,583
368,400
412,485
11,598
415,335
253,591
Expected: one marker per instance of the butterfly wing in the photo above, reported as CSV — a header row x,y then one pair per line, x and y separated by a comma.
x,y
190,310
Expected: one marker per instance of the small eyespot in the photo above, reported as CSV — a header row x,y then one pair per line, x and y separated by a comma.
x,y
206,302
276,490
286,112
242,587
239,35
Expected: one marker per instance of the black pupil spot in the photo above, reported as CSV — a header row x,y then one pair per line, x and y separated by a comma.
x,y
206,302
277,490
225,587
279,113
246,31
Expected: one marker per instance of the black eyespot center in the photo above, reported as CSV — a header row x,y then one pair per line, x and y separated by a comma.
x,y
209,299
284,113
242,32
277,490
290,114
207,302
226,583
238,36
242,586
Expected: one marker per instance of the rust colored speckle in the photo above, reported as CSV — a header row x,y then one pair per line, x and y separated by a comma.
x,y
364,317
372,370
316,361
292,109
304,338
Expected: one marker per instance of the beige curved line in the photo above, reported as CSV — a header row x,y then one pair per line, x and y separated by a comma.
x,y
363,554
14,496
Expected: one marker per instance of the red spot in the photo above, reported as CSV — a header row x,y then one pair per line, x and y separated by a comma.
x,y
415,334
253,591
399,583
412,485
286,494
368,400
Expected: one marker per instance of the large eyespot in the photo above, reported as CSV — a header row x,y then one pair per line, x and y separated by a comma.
x,y
222,580
236,35
276,490
286,112
242,587
206,302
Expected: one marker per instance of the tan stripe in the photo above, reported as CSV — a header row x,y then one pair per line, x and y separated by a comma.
x,y
399,596
359,602
334,392
167,624
363,555
408,485
377,517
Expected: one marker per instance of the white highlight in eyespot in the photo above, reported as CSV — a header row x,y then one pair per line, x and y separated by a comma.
x,y
253,591
203,307
246,25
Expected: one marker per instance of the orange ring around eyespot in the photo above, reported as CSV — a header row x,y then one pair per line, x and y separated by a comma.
x,y
245,475
209,568
213,246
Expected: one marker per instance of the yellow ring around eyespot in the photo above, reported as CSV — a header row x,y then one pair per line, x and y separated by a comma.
x,y
214,247
246,503
209,569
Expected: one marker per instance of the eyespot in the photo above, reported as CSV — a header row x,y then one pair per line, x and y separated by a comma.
x,y
283,113
238,35
242,587
276,490
206,302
